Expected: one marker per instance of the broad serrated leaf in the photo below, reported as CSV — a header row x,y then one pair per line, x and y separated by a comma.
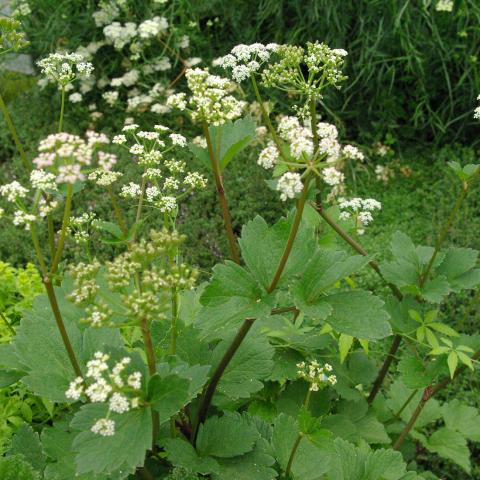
x,y
436,289
414,373
252,363
263,246
359,314
398,394
182,454
451,445
122,452
463,419
324,270
26,442
40,350
234,137
168,394
458,267
311,461
227,436
231,296
17,468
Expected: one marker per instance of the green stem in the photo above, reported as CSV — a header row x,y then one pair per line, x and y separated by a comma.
x,y
38,249
62,111
313,124
63,233
51,235
174,320
14,134
427,395
217,374
444,232
266,118
118,213
292,235
298,439
60,325
405,404
138,215
227,220
7,323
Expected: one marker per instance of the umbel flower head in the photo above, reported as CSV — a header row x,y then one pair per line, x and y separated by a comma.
x,y
64,68
323,64
118,387
211,100
246,60
317,376
11,38
360,210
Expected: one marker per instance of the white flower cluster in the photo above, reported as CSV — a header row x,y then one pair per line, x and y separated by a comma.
x,y
268,156
113,386
211,101
64,68
168,176
315,375
66,154
289,184
13,191
384,173
360,209
246,60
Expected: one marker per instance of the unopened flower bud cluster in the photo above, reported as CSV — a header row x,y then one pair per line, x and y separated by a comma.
x,y
317,376
121,390
11,38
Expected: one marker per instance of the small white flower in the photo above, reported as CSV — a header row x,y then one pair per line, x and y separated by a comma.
x,y
119,139
119,403
178,139
135,380
12,191
75,97
104,427
132,190
289,184
332,176
75,389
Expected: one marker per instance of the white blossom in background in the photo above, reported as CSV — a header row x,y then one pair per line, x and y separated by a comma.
x,y
384,173
476,113
75,97
268,156
360,210
444,6
289,184
120,35
152,28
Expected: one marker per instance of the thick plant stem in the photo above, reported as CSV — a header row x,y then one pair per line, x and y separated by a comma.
x,y
174,321
63,232
217,374
444,232
377,384
14,134
427,395
291,237
60,325
298,439
227,219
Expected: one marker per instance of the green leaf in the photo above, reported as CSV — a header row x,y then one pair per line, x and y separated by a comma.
x,y
452,362
181,454
226,436
414,373
168,394
263,246
26,442
435,290
252,363
345,343
463,419
403,248
324,270
123,452
235,136
442,328
451,445
466,360
359,314
17,468
109,227
231,296
40,350
311,461
458,267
